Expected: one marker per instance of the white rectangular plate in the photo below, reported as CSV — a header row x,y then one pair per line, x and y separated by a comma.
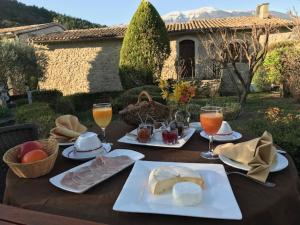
x,y
218,199
56,180
156,143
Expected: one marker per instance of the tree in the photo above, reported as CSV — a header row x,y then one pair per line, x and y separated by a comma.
x,y
21,65
145,47
229,47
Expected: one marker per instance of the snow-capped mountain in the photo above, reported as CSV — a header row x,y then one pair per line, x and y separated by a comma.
x,y
210,12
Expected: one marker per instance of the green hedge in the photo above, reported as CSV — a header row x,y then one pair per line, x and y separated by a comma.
x,y
85,101
4,112
39,113
48,96
64,105
131,96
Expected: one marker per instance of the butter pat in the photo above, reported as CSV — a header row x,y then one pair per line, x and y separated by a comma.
x,y
187,194
162,179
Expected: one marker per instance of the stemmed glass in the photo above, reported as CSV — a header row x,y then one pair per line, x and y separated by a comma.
x,y
102,113
211,118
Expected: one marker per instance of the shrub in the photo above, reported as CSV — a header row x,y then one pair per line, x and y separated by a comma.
x,y
48,96
145,47
85,101
64,105
131,96
22,64
38,113
21,101
4,112
291,65
282,66
261,81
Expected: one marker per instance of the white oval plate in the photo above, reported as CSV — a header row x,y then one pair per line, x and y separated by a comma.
x,y
280,164
56,180
234,137
69,153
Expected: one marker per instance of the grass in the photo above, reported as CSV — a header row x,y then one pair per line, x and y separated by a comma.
x,y
256,106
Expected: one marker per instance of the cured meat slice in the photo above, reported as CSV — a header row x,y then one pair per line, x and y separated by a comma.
x,y
99,169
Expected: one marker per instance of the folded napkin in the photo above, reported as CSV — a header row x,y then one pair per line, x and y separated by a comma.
x,y
258,153
67,129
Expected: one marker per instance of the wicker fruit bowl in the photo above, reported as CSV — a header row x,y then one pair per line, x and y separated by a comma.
x,y
34,169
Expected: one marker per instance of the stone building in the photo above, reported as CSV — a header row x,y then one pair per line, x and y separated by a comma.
x,y
24,33
87,60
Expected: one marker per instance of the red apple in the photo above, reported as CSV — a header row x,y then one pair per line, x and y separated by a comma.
x,y
27,147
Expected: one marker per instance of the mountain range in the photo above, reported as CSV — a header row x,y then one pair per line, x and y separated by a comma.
x,y
211,12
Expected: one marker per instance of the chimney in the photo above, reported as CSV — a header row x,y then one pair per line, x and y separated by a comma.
x,y
262,11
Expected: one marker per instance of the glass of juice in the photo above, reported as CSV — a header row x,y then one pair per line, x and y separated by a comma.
x,y
211,118
102,113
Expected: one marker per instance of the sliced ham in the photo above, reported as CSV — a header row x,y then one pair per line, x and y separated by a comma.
x,y
99,169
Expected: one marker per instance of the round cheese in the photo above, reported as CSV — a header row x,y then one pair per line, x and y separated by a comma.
x,y
162,179
187,194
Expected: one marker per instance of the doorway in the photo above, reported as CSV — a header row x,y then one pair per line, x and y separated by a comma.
x,y
186,63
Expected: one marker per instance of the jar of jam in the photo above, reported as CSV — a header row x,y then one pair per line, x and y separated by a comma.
x,y
144,133
170,136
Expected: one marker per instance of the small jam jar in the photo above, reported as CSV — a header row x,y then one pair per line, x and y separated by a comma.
x,y
170,136
144,133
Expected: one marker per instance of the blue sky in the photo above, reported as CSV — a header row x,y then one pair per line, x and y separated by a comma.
x,y
110,12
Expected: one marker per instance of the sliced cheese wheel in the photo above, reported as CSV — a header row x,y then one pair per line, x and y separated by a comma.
x,y
162,179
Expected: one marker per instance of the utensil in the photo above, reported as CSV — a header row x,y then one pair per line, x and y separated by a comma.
x,y
267,184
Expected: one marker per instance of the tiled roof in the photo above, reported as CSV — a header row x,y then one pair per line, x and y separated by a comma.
x,y
26,29
242,22
83,34
188,27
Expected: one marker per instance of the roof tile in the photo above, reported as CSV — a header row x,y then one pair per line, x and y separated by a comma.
x,y
192,26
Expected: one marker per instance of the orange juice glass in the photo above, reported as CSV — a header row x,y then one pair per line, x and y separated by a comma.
x,y
102,113
211,118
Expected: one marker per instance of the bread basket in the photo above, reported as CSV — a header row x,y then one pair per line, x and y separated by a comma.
x,y
34,169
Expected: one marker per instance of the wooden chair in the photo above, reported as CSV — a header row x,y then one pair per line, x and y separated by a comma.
x,y
11,136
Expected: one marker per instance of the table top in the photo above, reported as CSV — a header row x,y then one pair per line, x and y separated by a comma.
x,y
258,204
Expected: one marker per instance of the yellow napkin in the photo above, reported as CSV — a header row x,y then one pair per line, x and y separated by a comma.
x,y
258,153
67,129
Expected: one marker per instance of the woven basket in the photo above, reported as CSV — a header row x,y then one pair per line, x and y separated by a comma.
x,y
150,109
35,169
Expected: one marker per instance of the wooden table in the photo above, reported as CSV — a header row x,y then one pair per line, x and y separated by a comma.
x,y
15,216
258,204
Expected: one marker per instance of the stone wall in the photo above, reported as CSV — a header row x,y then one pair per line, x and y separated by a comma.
x,y
92,66
76,67
227,85
280,37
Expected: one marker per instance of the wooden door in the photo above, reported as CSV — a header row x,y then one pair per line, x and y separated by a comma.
x,y
187,58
